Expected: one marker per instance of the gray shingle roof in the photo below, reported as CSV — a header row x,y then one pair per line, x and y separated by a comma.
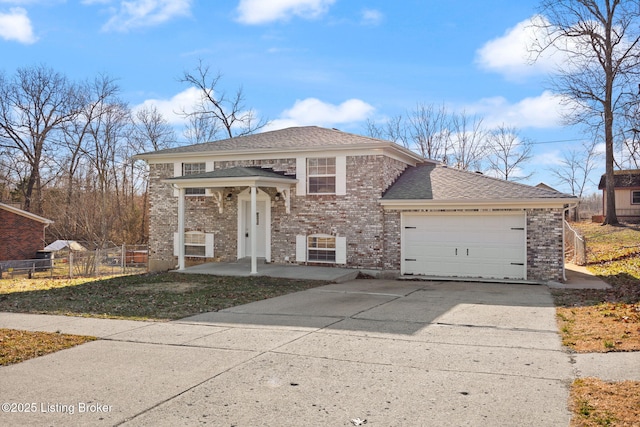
x,y
295,137
441,183
622,179
237,172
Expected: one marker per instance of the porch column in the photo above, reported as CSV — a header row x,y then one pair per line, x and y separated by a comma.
x,y
254,230
181,229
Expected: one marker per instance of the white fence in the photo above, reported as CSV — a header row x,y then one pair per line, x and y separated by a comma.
x,y
125,259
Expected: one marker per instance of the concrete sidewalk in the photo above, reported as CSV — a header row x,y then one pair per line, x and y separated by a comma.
x,y
390,352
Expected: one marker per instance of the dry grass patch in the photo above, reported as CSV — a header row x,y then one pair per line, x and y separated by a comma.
x,y
17,346
599,403
600,328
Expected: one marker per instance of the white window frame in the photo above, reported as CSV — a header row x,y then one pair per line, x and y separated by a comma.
x,y
187,170
207,238
311,175
633,195
323,248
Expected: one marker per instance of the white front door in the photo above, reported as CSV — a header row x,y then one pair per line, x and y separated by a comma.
x,y
261,228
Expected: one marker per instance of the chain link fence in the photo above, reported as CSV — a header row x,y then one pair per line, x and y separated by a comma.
x,y
125,259
575,246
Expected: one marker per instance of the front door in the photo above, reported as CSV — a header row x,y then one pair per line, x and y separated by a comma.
x,y
261,228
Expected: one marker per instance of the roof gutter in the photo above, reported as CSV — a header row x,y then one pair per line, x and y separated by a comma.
x,y
421,204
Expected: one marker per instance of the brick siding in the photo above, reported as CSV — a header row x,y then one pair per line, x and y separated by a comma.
x,y
20,237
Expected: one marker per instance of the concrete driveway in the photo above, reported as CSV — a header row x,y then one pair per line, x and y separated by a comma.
x,y
393,353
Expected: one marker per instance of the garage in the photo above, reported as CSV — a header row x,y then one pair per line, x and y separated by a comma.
x,y
478,245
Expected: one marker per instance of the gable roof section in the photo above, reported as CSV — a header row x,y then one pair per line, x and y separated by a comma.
x,y
288,140
25,214
622,179
436,184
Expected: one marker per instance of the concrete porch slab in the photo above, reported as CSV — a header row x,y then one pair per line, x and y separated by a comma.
x,y
283,271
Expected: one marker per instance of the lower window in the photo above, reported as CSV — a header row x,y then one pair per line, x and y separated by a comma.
x,y
195,244
321,248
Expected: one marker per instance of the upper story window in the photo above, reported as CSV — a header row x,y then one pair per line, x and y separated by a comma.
x,y
192,169
635,197
321,175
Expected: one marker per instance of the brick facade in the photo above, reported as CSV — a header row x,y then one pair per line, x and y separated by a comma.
x,y
357,215
373,235
545,255
20,237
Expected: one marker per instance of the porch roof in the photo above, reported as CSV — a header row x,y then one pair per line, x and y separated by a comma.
x,y
234,177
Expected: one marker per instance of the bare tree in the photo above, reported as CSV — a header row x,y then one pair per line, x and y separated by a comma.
x,y
424,129
151,130
600,39
507,152
575,169
226,114
467,139
393,129
429,129
34,106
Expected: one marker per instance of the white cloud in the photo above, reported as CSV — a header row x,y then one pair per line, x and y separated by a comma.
x,y
549,158
143,13
511,53
169,108
16,26
312,111
371,17
262,11
544,111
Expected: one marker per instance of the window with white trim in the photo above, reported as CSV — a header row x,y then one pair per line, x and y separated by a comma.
x,y
321,248
635,197
193,169
321,175
195,244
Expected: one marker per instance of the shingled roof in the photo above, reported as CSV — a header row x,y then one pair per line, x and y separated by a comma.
x,y
290,138
622,179
236,172
441,183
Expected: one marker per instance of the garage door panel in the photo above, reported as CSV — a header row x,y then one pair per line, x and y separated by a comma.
x,y
485,246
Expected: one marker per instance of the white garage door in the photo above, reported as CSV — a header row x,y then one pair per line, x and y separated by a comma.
x,y
483,245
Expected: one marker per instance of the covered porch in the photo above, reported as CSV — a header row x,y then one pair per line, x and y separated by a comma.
x,y
253,208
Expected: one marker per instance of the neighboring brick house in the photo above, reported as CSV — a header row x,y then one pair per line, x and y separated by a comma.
x,y
311,195
21,233
627,190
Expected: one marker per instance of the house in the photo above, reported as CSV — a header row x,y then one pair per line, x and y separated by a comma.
x,y
310,195
21,233
627,190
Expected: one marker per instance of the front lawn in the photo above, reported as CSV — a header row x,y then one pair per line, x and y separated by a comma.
x,y
153,296
593,320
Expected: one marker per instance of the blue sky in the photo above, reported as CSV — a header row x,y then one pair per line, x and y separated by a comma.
x,y
332,63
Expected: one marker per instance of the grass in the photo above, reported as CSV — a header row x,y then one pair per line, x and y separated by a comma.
x,y
593,320
18,346
599,403
604,321
163,296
